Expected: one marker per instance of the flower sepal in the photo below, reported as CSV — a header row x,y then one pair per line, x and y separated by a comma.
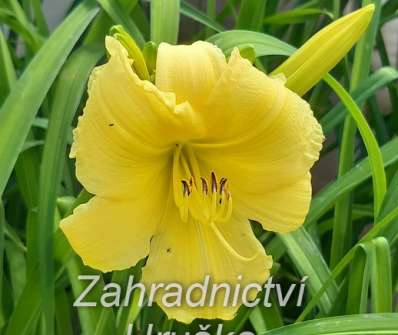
x,y
150,52
248,52
139,65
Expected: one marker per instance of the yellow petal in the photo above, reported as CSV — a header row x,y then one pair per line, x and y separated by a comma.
x,y
124,138
112,234
282,210
324,50
190,71
186,252
264,140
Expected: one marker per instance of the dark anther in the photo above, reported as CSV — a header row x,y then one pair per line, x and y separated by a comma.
x,y
205,187
213,182
168,250
185,188
111,124
223,183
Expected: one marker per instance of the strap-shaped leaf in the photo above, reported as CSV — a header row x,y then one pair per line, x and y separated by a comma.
x,y
19,109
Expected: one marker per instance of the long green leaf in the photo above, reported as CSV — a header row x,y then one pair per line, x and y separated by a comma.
x,y
342,220
16,261
358,174
390,202
73,80
344,325
18,111
309,262
388,7
211,11
263,318
88,316
165,20
120,16
345,261
264,45
381,281
39,17
7,71
15,18
63,314
2,240
296,15
369,87
375,160
107,317
251,14
26,312
189,11
358,281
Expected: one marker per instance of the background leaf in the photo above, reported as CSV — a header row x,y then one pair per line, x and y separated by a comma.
x,y
165,20
17,112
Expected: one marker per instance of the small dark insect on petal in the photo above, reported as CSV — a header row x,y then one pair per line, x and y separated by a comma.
x,y
111,124
168,250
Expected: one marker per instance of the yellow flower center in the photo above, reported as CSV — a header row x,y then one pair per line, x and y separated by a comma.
x,y
204,199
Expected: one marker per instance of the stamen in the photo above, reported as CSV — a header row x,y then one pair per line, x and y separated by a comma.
x,y
203,205
191,182
176,176
223,183
205,187
186,191
214,202
213,182
203,199
228,212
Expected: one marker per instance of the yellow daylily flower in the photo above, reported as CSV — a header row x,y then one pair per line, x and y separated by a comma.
x,y
180,166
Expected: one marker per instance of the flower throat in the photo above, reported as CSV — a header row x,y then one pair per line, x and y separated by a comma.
x,y
205,199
